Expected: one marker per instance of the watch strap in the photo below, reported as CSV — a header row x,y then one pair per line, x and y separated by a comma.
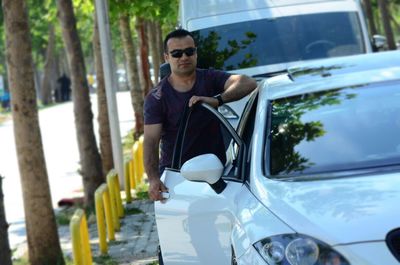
x,y
219,98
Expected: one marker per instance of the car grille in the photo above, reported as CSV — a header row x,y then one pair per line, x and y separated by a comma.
x,y
393,242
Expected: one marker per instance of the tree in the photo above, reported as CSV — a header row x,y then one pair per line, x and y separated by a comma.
x,y
5,252
48,80
154,40
143,55
91,167
104,124
133,77
43,242
383,7
370,17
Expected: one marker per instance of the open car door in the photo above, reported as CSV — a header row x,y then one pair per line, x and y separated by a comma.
x,y
194,223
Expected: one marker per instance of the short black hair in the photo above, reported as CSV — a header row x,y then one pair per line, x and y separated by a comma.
x,y
178,33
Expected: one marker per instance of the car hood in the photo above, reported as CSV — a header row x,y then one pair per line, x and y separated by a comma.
x,y
337,211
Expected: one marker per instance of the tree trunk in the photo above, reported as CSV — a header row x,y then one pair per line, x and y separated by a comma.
x,y
104,125
133,76
370,17
155,55
5,251
91,168
43,241
396,24
144,55
36,79
160,43
383,7
47,80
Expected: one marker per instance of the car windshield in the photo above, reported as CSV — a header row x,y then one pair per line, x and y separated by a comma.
x,y
346,129
279,40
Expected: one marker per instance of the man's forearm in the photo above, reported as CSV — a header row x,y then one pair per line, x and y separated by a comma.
x,y
151,161
238,88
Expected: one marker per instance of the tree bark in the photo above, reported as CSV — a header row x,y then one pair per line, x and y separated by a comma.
x,y
47,80
104,125
155,55
383,7
370,17
144,55
133,76
160,43
43,241
91,167
5,251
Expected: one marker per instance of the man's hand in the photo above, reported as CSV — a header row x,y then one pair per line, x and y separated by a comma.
x,y
209,100
156,187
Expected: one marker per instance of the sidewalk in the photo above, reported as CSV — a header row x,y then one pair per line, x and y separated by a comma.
x,y
135,244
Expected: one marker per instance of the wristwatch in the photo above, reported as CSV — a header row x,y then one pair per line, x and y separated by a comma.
x,y
219,98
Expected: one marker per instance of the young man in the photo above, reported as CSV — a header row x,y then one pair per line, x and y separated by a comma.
x,y
164,104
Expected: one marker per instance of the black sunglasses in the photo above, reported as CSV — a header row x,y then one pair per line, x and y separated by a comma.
x,y
179,53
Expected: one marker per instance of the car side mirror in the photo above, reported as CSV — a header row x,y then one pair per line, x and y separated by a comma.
x,y
205,168
378,42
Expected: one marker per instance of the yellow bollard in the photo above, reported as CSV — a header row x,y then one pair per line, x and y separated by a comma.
x,y
80,239
128,195
102,203
113,198
120,207
141,164
136,162
132,173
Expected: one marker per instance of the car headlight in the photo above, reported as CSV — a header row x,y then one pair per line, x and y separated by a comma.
x,y
296,249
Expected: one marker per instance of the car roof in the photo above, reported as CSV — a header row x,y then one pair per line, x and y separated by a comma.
x,y
335,73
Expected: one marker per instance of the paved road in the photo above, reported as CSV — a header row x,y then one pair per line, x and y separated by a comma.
x,y
62,158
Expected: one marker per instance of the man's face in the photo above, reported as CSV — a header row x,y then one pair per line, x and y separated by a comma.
x,y
182,63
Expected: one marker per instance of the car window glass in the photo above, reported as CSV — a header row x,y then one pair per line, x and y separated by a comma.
x,y
346,129
206,134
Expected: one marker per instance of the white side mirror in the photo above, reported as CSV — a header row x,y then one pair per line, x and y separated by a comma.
x,y
379,42
205,168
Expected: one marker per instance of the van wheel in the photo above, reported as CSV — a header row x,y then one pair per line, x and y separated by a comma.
x,y
160,259
233,260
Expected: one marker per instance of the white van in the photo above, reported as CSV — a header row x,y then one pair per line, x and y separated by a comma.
x,y
261,38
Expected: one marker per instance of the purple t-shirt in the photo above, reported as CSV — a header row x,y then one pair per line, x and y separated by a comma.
x,y
165,105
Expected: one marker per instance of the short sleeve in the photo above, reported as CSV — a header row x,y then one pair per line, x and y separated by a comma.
x,y
153,113
219,78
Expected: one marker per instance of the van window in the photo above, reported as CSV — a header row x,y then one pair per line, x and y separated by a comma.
x,y
279,40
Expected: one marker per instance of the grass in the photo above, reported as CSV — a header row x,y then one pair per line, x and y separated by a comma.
x,y
24,260
127,143
141,191
63,217
132,211
104,260
116,243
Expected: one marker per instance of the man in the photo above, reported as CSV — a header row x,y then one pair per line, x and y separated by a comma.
x,y
65,87
164,104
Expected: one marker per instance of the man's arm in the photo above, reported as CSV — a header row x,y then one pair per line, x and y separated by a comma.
x,y
152,135
235,88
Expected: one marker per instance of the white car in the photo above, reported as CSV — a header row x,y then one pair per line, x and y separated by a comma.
x,y
312,174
